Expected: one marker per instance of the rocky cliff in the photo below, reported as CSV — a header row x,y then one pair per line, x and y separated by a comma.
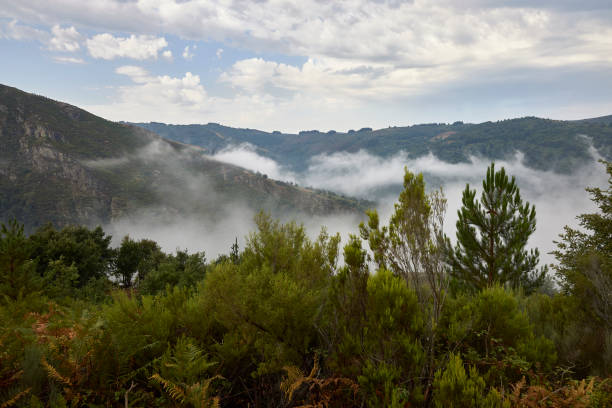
x,y
63,165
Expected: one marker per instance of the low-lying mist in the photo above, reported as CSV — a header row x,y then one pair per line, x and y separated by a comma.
x,y
190,225
558,198
191,212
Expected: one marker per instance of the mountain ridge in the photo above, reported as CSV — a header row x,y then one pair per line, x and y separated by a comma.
x,y
547,144
62,164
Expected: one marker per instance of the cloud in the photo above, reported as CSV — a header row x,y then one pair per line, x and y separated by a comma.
x,y
167,55
137,74
179,222
419,33
163,97
414,34
219,53
558,198
356,56
191,233
188,52
186,91
246,156
13,30
140,47
64,39
189,212
69,60
326,77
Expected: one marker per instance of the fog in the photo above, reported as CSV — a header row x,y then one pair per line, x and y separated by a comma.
x,y
558,198
245,155
201,219
190,214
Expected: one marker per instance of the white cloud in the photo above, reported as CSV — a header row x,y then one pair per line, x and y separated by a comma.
x,y
402,33
64,39
333,78
161,97
167,55
140,47
246,156
558,198
356,50
69,60
188,52
136,74
219,53
13,30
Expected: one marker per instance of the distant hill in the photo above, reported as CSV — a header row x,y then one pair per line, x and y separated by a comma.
x,y
547,144
61,164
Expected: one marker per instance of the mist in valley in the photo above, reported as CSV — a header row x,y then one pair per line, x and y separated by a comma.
x,y
558,198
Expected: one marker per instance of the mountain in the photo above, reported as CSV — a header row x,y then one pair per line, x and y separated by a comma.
x,y
547,144
61,164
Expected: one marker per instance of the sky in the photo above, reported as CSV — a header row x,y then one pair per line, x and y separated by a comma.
x,y
313,64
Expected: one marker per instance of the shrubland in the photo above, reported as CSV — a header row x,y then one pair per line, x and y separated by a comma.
x,y
403,318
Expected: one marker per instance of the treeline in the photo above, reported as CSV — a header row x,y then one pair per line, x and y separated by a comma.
x,y
403,318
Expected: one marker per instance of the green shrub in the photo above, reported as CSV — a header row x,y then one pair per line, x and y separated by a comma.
x,y
456,388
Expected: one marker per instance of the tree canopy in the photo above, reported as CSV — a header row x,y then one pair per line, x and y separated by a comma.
x,y
492,235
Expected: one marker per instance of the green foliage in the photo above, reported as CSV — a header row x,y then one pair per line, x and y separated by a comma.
x,y
18,277
413,247
284,307
454,388
266,309
391,352
135,259
60,280
87,250
491,237
585,272
374,330
181,373
585,258
490,329
179,270
547,144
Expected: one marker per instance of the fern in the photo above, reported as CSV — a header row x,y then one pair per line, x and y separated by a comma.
x,y
295,378
53,373
574,395
175,391
191,395
15,398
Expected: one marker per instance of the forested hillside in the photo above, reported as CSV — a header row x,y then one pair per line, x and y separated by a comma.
x,y
547,144
63,165
406,320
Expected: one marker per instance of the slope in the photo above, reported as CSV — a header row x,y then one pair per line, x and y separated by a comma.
x,y
547,144
61,164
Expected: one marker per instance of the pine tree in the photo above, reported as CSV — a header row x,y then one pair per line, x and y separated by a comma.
x,y
491,237
235,253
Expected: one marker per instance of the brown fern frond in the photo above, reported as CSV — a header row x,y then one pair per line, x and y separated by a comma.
x,y
515,397
197,394
14,377
315,368
578,396
175,392
295,377
16,398
53,373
